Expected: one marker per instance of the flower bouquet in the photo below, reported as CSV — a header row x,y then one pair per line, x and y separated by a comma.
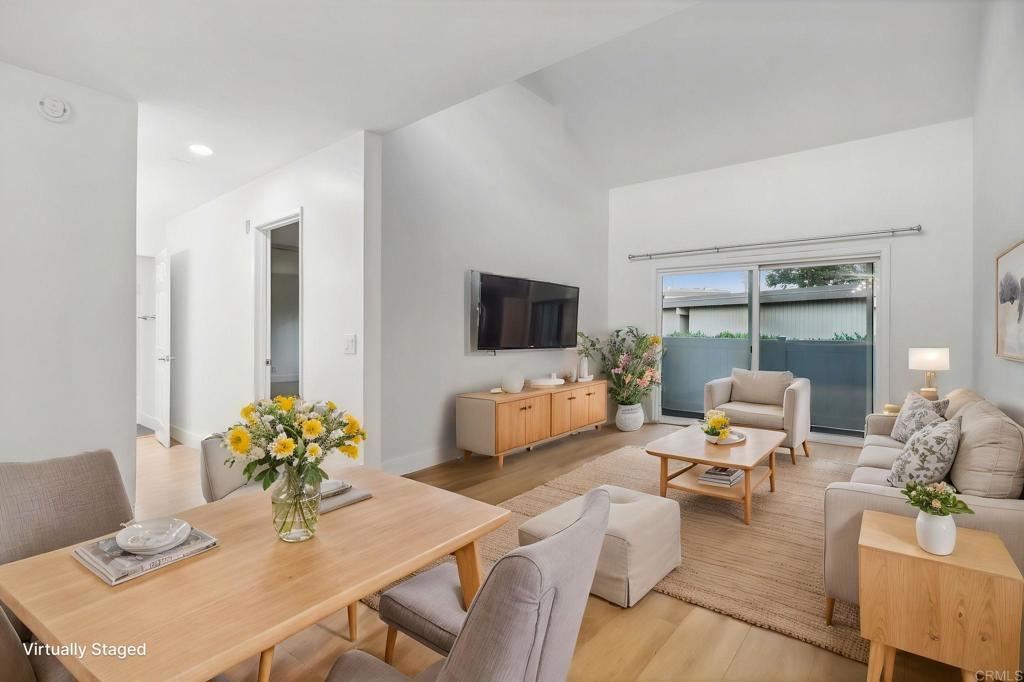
x,y
285,440
715,426
632,360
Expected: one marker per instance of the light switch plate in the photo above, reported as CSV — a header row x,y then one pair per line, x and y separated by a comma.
x,y
350,344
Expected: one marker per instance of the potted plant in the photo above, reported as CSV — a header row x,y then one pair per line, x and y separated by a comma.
x,y
285,440
632,360
937,502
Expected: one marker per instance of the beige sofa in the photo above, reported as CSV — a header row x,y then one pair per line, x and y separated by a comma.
x,y
988,472
765,400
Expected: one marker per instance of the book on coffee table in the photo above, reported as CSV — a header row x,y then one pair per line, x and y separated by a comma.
x,y
721,476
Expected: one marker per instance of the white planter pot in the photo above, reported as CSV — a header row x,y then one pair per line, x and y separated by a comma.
x,y
936,534
629,417
512,382
584,370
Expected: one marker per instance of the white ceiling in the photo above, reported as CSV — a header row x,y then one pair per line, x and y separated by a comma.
x,y
263,82
731,81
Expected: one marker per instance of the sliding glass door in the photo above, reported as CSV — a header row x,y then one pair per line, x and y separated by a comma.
x,y
816,320
705,324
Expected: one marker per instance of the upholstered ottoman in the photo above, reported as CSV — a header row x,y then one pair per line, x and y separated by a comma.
x,y
641,545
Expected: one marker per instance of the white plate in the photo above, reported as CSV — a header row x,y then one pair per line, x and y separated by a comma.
x,y
154,536
332,487
734,437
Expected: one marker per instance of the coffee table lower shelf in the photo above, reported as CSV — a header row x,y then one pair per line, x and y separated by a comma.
x,y
687,479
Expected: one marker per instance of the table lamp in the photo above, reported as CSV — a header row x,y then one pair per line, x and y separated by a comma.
x,y
931,360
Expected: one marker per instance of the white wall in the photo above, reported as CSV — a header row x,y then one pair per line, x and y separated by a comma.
x,y
67,270
491,184
145,340
998,198
920,176
213,297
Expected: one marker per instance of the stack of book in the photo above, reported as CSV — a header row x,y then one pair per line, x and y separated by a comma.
x,y
721,476
114,566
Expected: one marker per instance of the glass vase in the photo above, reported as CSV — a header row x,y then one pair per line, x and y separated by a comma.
x,y
296,507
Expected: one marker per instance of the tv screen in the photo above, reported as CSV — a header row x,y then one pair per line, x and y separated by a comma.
x,y
522,313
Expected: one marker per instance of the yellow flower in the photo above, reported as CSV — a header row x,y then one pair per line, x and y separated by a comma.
x,y
352,425
718,422
312,428
282,447
331,407
249,413
350,451
239,440
655,340
723,433
284,402
314,451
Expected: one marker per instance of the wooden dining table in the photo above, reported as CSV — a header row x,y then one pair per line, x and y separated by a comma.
x,y
201,616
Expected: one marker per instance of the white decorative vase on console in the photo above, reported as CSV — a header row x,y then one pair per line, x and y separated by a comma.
x,y
584,370
936,534
512,382
629,417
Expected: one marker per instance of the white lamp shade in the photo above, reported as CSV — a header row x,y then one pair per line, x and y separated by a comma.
x,y
929,359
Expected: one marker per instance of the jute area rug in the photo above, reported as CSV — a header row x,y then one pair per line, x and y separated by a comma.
x,y
768,574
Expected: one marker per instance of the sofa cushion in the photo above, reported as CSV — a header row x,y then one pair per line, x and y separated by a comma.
x,y
763,387
878,456
882,441
754,414
990,461
959,398
928,455
872,475
915,414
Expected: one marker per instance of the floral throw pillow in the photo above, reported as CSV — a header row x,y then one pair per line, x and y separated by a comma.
x,y
928,455
915,414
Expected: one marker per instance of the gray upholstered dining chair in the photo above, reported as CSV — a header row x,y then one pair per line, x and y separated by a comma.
x,y
216,478
44,506
522,625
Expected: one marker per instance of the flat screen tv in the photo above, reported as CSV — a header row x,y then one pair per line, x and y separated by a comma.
x,y
515,313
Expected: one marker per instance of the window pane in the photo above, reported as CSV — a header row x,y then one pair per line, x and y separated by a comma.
x,y
705,323
818,322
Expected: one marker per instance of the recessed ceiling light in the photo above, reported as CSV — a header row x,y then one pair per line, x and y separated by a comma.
x,y
200,150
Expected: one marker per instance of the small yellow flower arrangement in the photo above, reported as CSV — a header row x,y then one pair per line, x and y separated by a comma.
x,y
715,426
286,439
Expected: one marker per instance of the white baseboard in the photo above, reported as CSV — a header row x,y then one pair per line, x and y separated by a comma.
x,y
146,420
186,438
416,461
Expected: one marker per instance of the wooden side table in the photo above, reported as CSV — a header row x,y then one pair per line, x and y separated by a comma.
x,y
963,609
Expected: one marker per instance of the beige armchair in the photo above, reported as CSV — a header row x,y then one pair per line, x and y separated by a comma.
x,y
765,400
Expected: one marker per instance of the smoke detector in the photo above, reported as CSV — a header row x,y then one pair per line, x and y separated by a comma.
x,y
54,109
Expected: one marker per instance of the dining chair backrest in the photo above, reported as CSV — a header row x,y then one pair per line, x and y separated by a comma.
x,y
54,503
523,624
217,479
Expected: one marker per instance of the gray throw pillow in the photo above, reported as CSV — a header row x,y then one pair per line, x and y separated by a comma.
x,y
928,455
915,414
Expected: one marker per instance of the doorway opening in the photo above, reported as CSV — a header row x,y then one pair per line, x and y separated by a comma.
x,y
279,308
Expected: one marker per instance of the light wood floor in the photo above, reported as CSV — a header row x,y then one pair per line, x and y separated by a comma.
x,y
661,639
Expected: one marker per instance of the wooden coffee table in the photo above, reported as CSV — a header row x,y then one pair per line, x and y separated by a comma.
x,y
688,445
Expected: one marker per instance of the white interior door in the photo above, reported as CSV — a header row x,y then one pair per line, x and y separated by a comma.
x,y
162,372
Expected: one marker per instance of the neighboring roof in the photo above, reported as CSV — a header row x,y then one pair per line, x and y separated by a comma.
x,y
701,298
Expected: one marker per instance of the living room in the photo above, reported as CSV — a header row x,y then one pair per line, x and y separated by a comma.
x,y
837,180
